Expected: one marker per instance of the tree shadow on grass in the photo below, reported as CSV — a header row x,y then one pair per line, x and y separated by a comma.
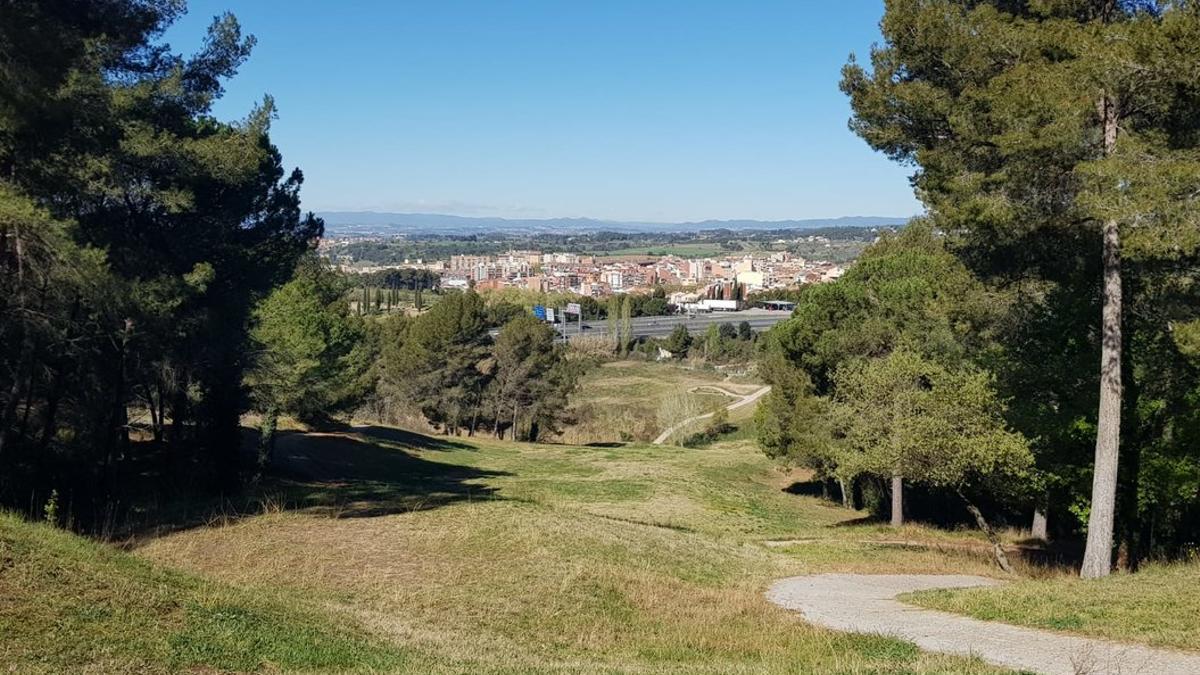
x,y
348,476
828,491
342,474
410,439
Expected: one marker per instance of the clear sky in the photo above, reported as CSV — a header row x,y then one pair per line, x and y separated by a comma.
x,y
622,109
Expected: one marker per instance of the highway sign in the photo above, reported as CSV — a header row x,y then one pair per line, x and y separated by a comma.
x,y
573,308
540,312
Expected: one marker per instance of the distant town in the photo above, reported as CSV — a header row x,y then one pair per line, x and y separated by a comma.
x,y
721,280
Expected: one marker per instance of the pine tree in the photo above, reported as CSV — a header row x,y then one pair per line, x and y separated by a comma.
x,y
1024,118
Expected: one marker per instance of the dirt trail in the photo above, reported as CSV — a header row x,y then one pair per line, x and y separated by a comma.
x,y
743,400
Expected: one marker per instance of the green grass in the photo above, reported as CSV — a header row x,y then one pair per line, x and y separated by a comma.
x,y
69,605
1159,605
486,556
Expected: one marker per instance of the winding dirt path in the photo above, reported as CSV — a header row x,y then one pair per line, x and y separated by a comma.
x,y
867,604
743,400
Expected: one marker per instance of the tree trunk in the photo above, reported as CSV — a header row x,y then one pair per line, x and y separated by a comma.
x,y
23,430
897,501
266,442
1097,557
845,493
179,405
1038,529
9,413
997,549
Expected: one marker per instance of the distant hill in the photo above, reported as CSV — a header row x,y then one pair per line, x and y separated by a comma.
x,y
371,222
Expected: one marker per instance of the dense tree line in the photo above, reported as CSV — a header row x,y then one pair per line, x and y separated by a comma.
x,y
137,233
447,365
511,301
1057,147
393,290
406,278
720,343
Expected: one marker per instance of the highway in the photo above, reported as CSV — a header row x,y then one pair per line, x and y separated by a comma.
x,y
661,326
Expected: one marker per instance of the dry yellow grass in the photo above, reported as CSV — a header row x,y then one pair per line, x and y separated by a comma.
x,y
562,559
621,401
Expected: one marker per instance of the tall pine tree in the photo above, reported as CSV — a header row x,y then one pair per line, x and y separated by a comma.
x,y
1024,118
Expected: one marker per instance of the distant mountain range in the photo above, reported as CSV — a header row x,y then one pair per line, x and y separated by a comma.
x,y
374,223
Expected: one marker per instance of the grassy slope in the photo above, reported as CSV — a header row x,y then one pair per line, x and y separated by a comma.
x,y
623,400
70,605
495,557
1160,605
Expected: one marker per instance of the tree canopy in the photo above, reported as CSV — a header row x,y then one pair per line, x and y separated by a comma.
x,y
138,233
1056,142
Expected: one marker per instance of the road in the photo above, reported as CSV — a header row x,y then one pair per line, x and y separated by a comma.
x,y
661,326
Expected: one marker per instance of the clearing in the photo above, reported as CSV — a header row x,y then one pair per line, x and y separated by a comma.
x,y
387,551
484,556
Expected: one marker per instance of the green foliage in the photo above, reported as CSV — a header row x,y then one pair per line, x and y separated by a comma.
x,y
678,342
905,415
138,233
440,364
907,290
744,331
312,355
1033,127
877,374
445,364
532,380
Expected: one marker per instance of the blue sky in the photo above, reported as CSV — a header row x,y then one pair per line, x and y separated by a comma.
x,y
623,109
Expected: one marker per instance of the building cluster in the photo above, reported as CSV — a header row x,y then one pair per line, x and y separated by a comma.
x,y
596,276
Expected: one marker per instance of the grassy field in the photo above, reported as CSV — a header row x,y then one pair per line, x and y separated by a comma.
x,y
381,550
71,605
498,557
1160,605
626,401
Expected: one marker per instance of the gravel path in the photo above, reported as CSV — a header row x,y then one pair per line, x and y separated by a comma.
x,y
744,401
867,604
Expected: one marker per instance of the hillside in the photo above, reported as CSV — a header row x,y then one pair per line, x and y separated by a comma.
x,y
381,223
482,556
71,605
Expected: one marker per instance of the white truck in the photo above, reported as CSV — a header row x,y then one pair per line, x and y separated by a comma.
x,y
721,305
